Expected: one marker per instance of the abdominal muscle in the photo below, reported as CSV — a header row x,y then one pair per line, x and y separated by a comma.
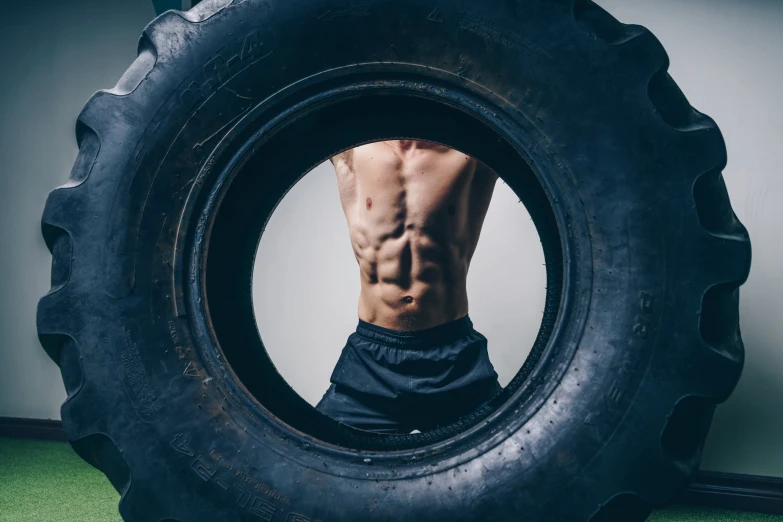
x,y
411,282
414,212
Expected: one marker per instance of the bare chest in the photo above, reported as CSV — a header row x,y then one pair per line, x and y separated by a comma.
x,y
416,187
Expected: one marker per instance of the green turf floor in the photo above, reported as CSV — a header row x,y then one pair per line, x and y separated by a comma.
x,y
47,482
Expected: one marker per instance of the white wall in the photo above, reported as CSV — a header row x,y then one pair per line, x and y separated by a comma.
x,y
726,55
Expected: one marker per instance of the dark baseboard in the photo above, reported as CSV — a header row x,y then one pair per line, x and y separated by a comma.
x,y
32,429
734,491
708,488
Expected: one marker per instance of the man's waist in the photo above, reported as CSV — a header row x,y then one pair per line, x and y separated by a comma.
x,y
439,334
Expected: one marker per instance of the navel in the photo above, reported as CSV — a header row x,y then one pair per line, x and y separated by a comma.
x,y
368,203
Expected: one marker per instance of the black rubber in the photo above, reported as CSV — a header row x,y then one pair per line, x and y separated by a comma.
x,y
170,390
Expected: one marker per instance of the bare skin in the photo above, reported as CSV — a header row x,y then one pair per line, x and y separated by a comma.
x,y
415,211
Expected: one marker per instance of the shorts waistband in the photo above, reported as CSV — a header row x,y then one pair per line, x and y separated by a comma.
x,y
435,335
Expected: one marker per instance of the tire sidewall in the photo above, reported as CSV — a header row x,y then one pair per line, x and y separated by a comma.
x,y
211,441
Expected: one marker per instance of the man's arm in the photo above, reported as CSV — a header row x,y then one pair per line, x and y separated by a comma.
x,y
487,174
483,186
346,180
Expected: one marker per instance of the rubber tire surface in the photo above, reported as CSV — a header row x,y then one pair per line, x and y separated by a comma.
x,y
622,429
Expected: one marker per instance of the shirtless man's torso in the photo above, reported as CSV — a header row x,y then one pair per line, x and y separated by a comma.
x,y
414,210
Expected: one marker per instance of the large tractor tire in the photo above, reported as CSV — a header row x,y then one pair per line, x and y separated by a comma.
x,y
171,392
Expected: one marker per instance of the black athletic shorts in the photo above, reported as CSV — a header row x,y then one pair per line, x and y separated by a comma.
x,y
391,381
